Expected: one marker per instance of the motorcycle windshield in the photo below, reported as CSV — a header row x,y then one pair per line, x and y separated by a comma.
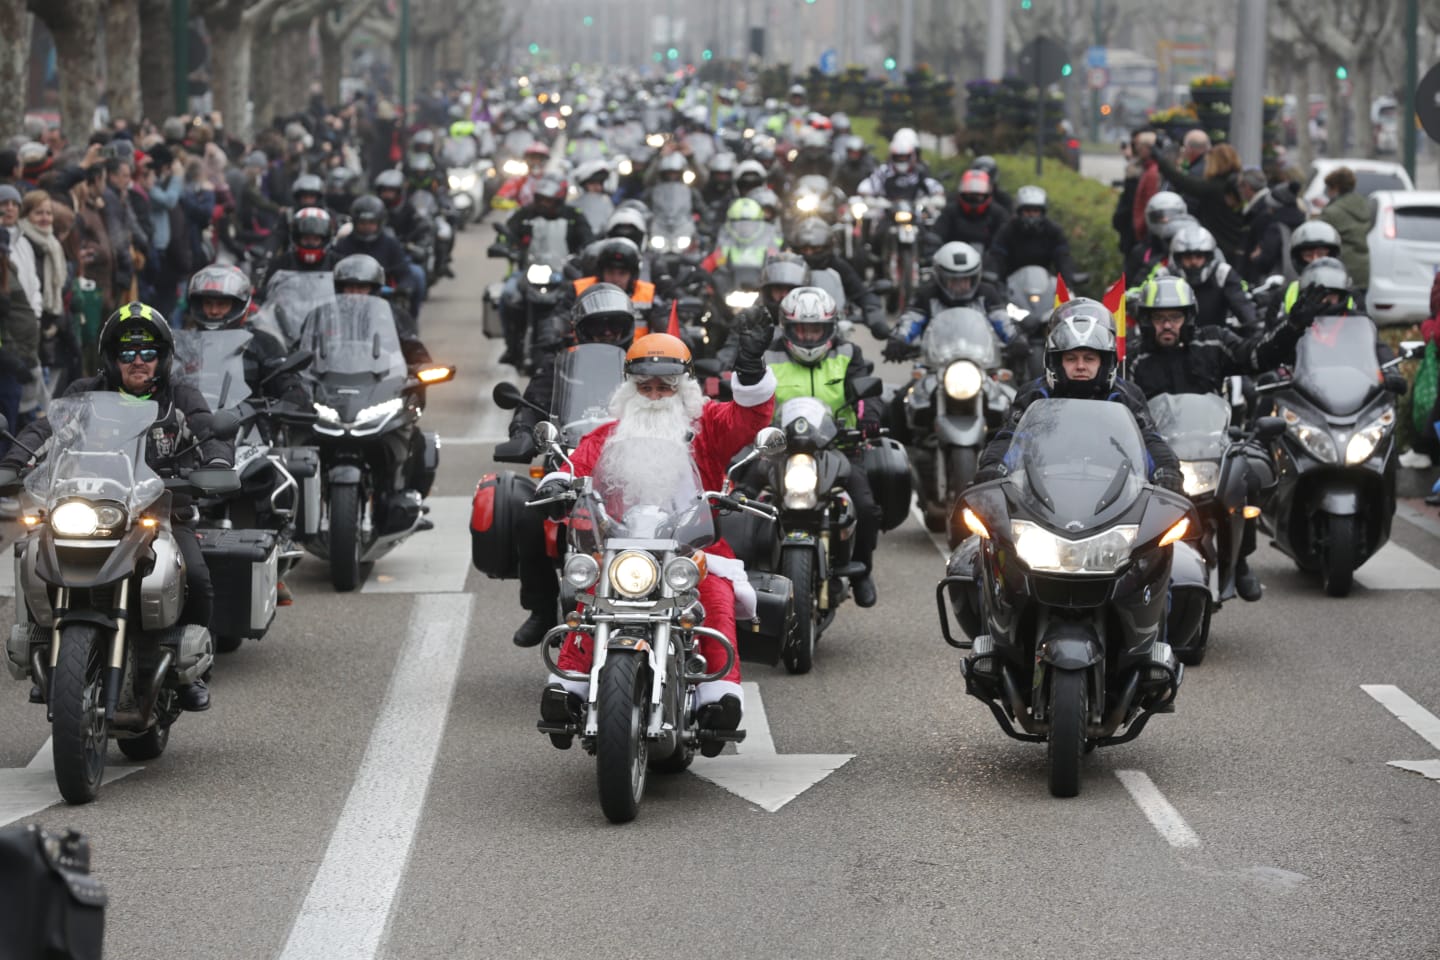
x,y
213,362
96,452
549,242
1032,288
829,281
1196,425
354,340
639,492
515,142
670,203
1077,464
460,153
814,185
702,147
747,238
1336,365
596,209
585,377
820,424
424,204
960,333
289,298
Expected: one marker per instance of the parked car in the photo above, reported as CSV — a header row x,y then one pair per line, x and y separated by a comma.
x,y
1385,116
1370,176
1404,255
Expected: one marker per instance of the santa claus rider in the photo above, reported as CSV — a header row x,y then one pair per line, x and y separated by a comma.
x,y
661,405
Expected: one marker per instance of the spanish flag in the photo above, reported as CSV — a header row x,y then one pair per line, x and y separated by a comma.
x,y
1062,292
1114,301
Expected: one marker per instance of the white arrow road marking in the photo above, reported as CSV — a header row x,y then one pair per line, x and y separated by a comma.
x,y
1414,716
757,773
30,789
1395,568
1159,811
347,910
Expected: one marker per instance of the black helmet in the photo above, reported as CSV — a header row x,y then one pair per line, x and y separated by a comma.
x,y
368,209
307,190
603,314
359,268
1165,292
550,195
1075,325
812,234
135,326
617,253
986,164
218,282
781,273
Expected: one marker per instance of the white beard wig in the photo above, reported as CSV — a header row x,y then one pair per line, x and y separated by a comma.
x,y
647,459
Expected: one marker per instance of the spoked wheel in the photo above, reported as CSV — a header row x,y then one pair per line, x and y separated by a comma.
x,y
346,515
80,732
1069,708
620,747
799,567
1337,555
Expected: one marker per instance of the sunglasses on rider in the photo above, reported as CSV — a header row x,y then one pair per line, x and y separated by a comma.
x,y
147,355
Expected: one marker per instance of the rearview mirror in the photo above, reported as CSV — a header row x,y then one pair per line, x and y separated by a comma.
x,y
864,388
546,434
1269,428
506,395
292,364
1411,349
770,441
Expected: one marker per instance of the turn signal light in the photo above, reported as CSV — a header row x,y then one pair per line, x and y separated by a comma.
x,y
435,374
537,472
1251,513
148,522
1177,532
974,525
30,520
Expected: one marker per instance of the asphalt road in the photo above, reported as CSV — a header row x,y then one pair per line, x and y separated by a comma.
x,y
370,783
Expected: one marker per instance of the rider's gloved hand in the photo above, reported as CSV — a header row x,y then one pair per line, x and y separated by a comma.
x,y
1306,307
898,349
1396,383
753,339
1170,478
995,471
1016,350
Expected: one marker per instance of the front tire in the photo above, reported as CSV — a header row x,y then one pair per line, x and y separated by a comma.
x,y
798,565
346,510
1069,710
960,466
80,731
1337,555
225,643
620,746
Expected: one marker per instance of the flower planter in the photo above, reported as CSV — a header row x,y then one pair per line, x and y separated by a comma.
x,y
1208,96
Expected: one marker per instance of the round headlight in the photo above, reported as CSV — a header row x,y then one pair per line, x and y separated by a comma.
x,y
801,478
808,203
962,380
681,574
74,519
657,243
109,517
634,574
581,571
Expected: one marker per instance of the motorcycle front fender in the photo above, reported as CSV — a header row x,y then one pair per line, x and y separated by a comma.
x,y
1339,497
343,473
1070,646
960,431
1187,569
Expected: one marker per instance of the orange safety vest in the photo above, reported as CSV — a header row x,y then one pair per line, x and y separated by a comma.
x,y
643,296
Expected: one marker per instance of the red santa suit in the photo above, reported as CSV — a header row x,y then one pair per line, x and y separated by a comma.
x,y
721,432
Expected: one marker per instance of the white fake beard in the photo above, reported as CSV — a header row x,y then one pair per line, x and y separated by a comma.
x,y
647,458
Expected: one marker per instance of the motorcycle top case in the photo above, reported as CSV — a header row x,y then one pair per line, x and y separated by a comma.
x,y
52,908
763,639
244,566
888,469
493,514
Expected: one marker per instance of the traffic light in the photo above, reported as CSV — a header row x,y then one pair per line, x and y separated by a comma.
x,y
589,21
1025,4
534,48
1066,70
706,54
1104,109
889,63
672,54
657,56
1341,73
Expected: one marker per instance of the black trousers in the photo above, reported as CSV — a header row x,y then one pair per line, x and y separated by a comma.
x,y
539,586
867,515
199,591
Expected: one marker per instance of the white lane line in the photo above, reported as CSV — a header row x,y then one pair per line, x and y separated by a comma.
x,y
471,441
1406,710
1395,568
1159,811
934,537
433,561
347,911
27,790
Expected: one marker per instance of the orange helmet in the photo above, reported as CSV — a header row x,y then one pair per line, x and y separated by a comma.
x,y
657,355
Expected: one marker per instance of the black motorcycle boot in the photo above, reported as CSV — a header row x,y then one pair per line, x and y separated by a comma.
x,y
533,630
722,716
864,590
1246,583
193,697
559,708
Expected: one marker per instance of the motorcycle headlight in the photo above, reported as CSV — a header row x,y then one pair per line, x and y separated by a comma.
x,y
801,478
681,574
76,518
581,571
327,414
1367,438
538,274
1201,476
462,181
515,168
808,203
634,574
858,210
1043,551
625,168
552,122
1312,437
655,141
741,299
903,216
962,380
688,177
657,243
682,243
379,411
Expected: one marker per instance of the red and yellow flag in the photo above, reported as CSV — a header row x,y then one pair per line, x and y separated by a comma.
x,y
1062,292
1114,301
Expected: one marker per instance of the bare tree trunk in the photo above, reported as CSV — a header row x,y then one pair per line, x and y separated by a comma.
x,y
74,24
157,60
1304,145
1335,109
1363,77
230,47
122,58
14,63
280,74
332,65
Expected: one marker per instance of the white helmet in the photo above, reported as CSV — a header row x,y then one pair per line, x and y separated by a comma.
x,y
807,323
904,144
957,272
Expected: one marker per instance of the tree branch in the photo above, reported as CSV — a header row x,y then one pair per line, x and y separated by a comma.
x,y
339,30
259,15
382,28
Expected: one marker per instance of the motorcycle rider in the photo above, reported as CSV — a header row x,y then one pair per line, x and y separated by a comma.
x,y
854,164
1311,241
547,209
311,229
421,173
903,177
369,235
719,190
1031,238
781,273
308,190
957,282
616,262
602,314
1179,353
340,191
671,169
136,345
749,176
812,156
409,227
661,404
973,216
1161,213
745,228
1325,290
1081,364
986,164
811,239
810,358
1219,291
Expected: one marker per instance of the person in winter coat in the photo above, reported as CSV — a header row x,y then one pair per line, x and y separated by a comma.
x,y
1215,195
1352,215
973,217
1031,238
1270,215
